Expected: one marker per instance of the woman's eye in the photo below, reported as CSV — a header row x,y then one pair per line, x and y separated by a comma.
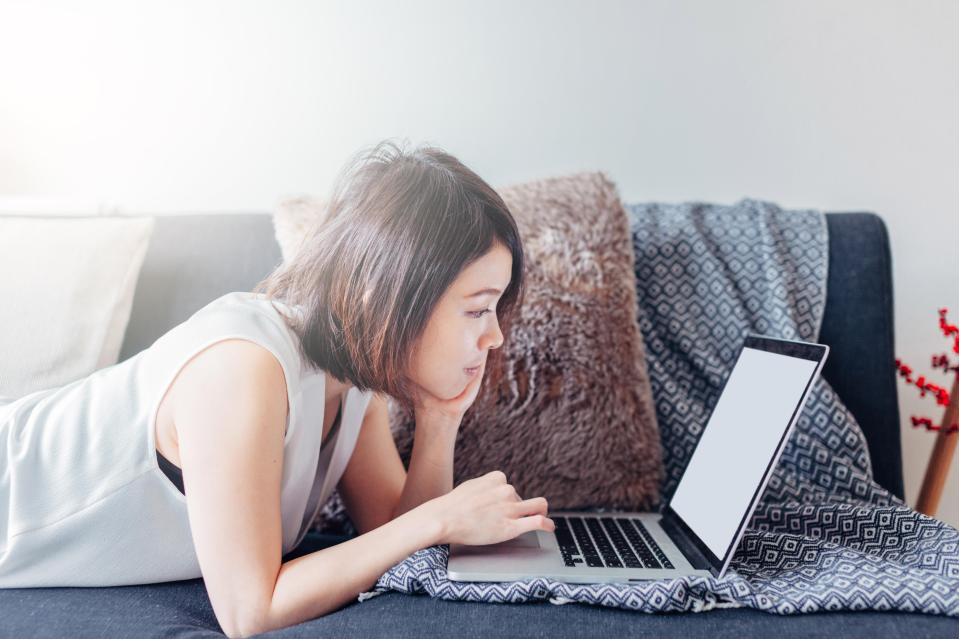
x,y
479,314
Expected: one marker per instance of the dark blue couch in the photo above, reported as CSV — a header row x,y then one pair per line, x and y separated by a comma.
x,y
193,259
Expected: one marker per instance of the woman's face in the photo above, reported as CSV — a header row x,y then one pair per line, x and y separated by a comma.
x,y
463,326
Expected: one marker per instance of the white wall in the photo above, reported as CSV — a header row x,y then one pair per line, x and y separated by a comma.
x,y
187,106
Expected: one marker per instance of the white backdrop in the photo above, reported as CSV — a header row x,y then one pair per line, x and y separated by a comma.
x,y
175,106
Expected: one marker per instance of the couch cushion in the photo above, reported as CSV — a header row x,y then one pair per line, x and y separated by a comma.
x,y
67,291
567,412
192,260
182,609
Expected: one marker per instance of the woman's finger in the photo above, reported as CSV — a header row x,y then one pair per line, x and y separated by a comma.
x,y
534,506
534,522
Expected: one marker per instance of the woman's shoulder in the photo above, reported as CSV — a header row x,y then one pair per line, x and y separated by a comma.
x,y
246,303
237,329
244,314
234,369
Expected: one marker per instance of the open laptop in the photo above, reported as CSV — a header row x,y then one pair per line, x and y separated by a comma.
x,y
700,528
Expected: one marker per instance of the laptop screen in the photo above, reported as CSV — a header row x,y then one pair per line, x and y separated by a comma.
x,y
742,439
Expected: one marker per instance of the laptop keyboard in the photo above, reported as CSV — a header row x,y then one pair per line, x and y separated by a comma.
x,y
611,542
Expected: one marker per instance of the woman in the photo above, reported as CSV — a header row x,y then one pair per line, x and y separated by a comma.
x,y
209,453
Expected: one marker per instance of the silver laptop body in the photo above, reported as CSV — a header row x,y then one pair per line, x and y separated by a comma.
x,y
701,527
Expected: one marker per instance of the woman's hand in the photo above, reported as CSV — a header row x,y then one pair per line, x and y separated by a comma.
x,y
486,510
431,408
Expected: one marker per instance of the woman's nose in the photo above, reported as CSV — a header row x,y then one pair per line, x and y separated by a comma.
x,y
494,338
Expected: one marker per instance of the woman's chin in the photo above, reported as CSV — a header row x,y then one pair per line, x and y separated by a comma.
x,y
453,393
454,387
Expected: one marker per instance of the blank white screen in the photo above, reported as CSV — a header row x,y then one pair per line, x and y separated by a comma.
x,y
738,443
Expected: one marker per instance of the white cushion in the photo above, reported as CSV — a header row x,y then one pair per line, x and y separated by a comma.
x,y
65,296
293,221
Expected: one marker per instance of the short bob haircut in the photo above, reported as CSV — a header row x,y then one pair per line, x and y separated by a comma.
x,y
400,226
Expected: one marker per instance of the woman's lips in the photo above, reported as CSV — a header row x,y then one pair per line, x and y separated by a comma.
x,y
473,371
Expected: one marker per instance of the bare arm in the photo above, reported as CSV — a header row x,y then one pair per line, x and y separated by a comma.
x,y
483,510
229,412
375,488
431,464
321,582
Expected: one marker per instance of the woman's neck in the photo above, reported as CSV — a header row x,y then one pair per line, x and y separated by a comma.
x,y
335,388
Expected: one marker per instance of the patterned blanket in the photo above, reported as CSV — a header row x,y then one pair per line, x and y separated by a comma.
x,y
825,536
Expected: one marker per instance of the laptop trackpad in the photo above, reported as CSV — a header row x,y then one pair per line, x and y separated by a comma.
x,y
526,540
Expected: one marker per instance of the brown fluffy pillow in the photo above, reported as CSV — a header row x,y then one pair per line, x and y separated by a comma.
x,y
568,414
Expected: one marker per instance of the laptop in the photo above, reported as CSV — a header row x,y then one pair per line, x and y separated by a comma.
x,y
699,529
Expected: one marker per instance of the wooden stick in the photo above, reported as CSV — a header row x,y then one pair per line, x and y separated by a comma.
x,y
942,451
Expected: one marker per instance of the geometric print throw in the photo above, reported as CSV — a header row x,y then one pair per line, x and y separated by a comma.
x,y
824,536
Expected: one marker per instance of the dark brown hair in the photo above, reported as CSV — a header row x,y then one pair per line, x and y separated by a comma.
x,y
400,226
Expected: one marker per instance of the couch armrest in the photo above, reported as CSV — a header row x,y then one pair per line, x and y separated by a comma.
x,y
858,327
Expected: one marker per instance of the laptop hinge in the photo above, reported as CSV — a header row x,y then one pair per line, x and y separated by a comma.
x,y
696,559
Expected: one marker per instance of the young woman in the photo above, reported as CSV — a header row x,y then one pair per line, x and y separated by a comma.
x,y
210,453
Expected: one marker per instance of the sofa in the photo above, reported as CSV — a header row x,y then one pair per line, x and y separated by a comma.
x,y
193,259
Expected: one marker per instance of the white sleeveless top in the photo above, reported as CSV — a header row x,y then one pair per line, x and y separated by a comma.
x,y
83,501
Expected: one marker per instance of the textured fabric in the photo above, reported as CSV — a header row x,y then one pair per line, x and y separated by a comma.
x,y
67,290
576,328
182,609
84,499
825,536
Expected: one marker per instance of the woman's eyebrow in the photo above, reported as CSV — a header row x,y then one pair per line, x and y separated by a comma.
x,y
485,291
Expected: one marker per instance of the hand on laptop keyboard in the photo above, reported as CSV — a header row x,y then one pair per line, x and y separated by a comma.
x,y
486,510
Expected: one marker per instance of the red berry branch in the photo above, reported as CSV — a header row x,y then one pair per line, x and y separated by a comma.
x,y
949,329
925,386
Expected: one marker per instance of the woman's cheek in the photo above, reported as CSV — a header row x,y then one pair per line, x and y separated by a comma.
x,y
447,369
449,351
447,387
